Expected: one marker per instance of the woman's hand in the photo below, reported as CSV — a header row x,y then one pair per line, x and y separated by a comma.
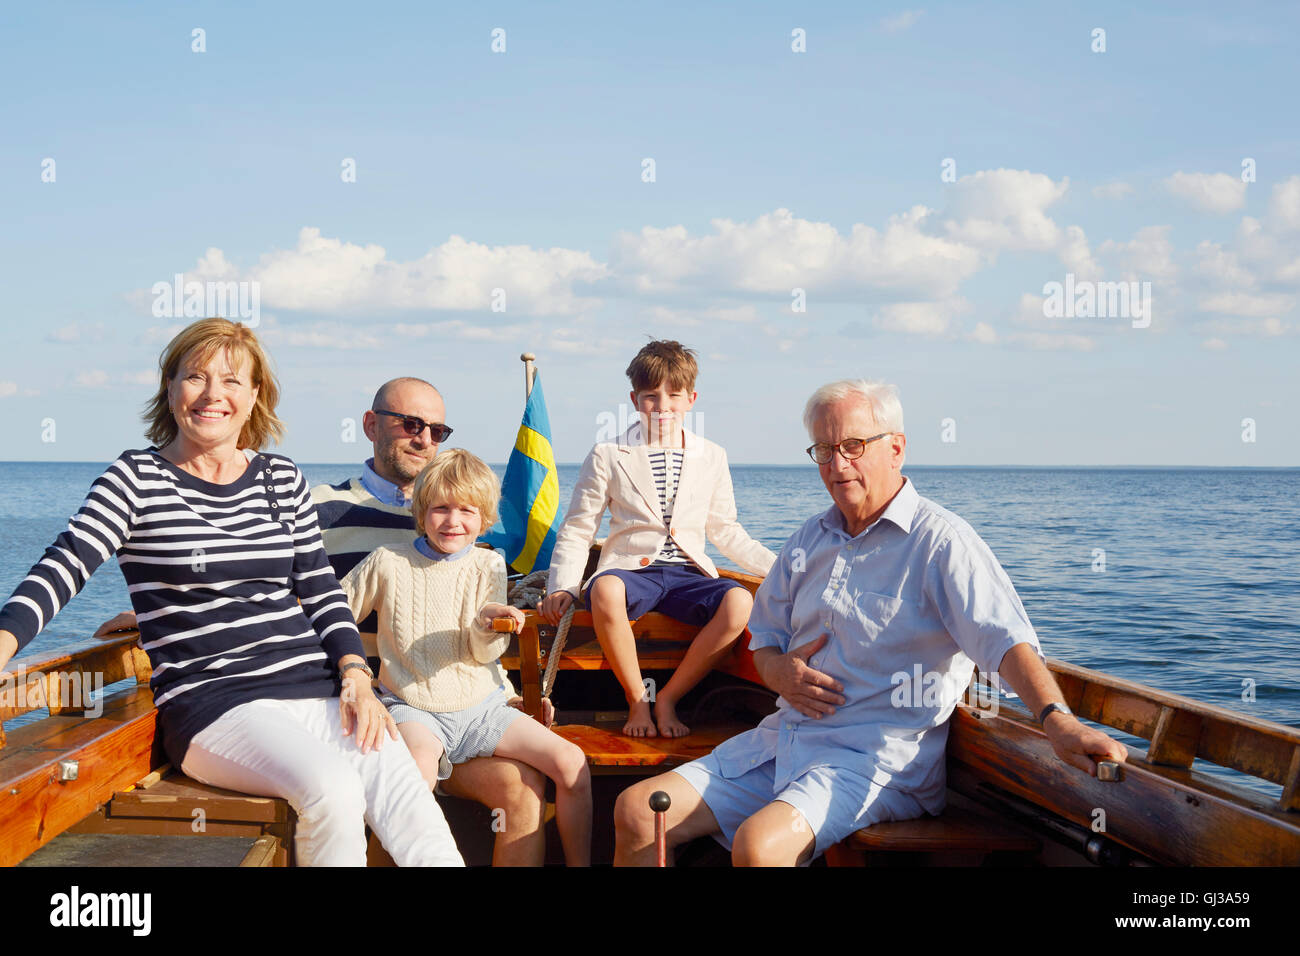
x,y
491,612
553,607
361,711
123,622
8,648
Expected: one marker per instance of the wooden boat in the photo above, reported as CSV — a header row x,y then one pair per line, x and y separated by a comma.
x,y
1010,798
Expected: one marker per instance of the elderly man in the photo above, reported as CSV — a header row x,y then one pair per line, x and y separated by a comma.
x,y
880,584
406,423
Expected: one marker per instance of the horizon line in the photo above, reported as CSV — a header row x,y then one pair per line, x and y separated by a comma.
x,y
761,464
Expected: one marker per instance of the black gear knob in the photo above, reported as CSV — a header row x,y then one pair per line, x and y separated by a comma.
x,y
660,801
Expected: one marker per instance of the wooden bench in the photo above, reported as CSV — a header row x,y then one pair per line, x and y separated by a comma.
x,y
98,768
168,803
963,832
661,644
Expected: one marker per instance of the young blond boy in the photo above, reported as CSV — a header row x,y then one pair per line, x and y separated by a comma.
x,y
666,489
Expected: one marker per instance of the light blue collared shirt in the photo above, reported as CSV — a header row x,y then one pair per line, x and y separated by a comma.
x,y
382,488
433,554
917,594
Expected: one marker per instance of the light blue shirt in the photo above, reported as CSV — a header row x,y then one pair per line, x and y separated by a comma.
x,y
383,489
433,554
911,605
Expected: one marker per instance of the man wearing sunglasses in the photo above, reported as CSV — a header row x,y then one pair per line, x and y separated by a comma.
x,y
405,424
882,592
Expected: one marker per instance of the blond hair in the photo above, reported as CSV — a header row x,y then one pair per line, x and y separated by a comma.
x,y
663,362
204,339
456,477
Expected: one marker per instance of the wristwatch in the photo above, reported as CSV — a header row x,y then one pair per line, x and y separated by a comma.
x,y
343,671
1053,708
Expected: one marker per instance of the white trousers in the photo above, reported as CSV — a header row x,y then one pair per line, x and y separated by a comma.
x,y
295,749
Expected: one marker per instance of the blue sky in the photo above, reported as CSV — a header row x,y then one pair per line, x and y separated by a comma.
x,y
522,170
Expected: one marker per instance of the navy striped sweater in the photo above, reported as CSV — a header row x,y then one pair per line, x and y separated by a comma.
x,y
215,574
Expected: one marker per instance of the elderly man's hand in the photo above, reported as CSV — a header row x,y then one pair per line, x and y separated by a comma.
x,y
1079,745
807,689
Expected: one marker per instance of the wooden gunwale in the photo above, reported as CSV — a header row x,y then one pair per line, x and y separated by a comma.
x,y
1169,815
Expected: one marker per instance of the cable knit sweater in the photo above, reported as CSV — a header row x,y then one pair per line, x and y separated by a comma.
x,y
433,653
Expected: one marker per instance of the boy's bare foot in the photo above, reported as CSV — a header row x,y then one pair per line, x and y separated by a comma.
x,y
666,718
639,723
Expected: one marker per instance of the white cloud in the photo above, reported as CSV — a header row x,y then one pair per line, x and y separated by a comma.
x,y
1214,345
1029,310
1220,267
919,318
1004,209
1284,204
1211,192
901,21
983,334
328,275
8,388
1076,255
1112,191
778,252
149,377
1148,256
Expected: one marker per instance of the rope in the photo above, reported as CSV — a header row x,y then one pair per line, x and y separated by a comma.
x,y
557,647
527,592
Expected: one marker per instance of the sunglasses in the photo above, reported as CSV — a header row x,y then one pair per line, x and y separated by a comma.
x,y
415,426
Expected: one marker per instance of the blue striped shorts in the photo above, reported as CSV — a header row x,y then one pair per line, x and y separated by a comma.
x,y
465,734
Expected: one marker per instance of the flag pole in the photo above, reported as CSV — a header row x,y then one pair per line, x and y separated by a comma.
x,y
529,372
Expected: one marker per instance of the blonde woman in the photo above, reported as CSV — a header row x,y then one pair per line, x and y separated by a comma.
x,y
251,641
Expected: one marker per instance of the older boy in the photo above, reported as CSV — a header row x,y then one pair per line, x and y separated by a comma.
x,y
666,489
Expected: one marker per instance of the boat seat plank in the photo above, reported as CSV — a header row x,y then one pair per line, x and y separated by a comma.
x,y
177,797
957,829
606,747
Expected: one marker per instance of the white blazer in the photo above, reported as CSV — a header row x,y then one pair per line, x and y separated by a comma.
x,y
617,475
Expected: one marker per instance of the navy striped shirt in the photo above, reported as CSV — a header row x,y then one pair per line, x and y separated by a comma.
x,y
215,574
667,469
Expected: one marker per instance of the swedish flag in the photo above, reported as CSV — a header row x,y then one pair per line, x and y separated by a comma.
x,y
530,493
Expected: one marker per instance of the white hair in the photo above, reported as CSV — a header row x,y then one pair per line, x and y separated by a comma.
x,y
881,398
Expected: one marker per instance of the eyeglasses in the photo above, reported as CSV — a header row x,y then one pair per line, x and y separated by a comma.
x,y
416,426
851,448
